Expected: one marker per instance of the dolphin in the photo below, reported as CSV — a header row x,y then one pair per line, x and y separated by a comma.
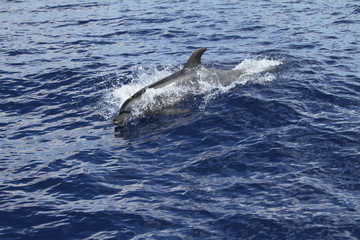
x,y
190,76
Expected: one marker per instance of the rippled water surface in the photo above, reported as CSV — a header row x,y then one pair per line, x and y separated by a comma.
x,y
275,156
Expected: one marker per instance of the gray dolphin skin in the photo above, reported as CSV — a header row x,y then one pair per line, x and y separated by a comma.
x,y
188,77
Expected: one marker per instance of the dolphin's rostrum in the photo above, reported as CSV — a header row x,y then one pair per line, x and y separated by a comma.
x,y
189,76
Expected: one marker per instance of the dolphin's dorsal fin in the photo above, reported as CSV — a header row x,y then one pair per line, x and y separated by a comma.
x,y
195,58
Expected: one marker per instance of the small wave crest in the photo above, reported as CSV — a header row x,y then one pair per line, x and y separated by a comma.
x,y
155,99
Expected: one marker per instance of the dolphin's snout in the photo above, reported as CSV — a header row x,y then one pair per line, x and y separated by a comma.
x,y
121,118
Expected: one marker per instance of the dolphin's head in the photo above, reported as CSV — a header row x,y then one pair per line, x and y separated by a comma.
x,y
121,117
125,111
128,106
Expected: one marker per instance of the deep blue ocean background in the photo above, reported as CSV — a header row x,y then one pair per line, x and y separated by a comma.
x,y
275,159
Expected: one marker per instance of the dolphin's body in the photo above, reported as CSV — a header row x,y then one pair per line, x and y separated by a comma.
x,y
188,77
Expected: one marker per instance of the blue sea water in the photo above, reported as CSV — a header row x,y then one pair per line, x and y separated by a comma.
x,y
274,157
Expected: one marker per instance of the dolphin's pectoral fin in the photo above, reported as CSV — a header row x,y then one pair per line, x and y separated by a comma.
x,y
173,111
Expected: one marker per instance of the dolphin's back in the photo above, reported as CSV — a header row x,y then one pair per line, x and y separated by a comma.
x,y
176,78
166,81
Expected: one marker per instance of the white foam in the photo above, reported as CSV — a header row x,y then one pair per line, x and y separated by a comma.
x,y
254,66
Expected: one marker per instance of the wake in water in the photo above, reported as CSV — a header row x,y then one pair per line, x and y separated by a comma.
x,y
153,100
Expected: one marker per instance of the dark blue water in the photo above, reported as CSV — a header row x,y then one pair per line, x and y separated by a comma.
x,y
276,157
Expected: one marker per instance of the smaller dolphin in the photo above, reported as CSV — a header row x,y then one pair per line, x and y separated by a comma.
x,y
188,77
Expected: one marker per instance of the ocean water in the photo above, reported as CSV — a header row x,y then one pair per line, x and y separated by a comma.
x,y
273,156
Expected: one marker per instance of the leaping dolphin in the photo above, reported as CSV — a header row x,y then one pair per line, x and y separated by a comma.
x,y
189,76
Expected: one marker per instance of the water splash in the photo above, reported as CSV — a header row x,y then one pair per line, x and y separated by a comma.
x,y
119,93
254,67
